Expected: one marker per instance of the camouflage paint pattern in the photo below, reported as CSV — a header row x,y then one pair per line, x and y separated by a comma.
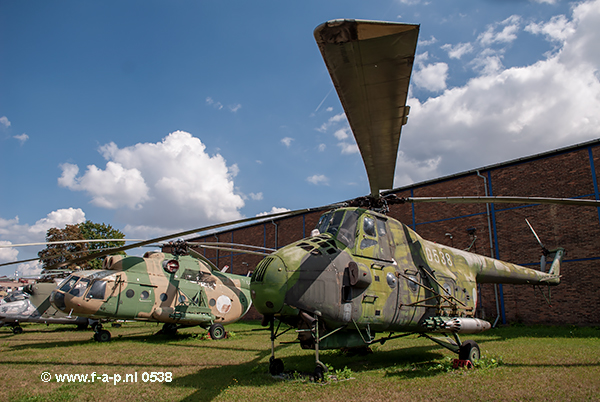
x,y
366,273
136,288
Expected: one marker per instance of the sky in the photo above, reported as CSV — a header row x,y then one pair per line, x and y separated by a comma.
x,y
161,116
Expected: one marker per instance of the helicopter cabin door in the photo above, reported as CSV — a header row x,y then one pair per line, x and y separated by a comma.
x,y
374,249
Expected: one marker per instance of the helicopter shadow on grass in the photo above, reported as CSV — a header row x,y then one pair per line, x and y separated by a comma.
x,y
212,382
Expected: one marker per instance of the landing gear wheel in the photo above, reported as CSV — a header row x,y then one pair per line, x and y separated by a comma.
x,y
319,374
469,350
275,366
216,331
102,336
17,330
169,329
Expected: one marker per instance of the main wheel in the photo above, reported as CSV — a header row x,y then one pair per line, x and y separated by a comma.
x,y
169,329
102,336
319,374
469,350
275,366
17,330
216,331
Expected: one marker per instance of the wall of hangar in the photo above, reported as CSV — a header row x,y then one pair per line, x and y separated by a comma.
x,y
498,230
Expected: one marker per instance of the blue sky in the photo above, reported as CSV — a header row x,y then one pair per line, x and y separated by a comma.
x,y
157,116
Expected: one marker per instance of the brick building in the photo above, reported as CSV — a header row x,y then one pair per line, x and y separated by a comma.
x,y
498,230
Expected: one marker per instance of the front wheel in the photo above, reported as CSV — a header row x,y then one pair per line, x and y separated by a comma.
x,y
469,350
102,336
216,331
17,330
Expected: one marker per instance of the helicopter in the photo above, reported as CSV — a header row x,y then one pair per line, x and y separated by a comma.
x,y
361,273
180,289
32,304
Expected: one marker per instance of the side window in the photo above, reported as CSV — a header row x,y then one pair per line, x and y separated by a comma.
x,y
97,290
369,226
376,236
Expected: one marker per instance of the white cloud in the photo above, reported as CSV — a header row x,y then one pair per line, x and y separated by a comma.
x,y
457,51
22,138
318,179
235,108
348,148
432,76
559,28
4,121
216,105
509,113
427,42
274,210
322,147
171,183
256,196
287,141
13,232
501,32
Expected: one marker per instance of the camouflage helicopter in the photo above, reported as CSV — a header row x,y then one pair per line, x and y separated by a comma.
x,y
361,272
180,288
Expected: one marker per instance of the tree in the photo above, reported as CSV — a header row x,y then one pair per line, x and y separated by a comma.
x,y
91,230
64,252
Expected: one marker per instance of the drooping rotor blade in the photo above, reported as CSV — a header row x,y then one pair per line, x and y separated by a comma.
x,y
505,199
184,233
239,248
370,64
68,242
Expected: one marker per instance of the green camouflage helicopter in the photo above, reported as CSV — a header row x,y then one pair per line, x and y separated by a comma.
x,y
179,289
362,273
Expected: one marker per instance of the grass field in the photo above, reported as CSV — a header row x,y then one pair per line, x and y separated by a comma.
x,y
520,363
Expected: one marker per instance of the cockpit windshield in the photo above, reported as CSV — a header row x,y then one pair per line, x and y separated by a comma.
x,y
80,287
341,224
68,283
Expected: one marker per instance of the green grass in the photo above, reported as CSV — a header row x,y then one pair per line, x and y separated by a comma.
x,y
519,363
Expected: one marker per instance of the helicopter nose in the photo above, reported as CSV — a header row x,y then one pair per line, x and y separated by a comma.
x,y
268,285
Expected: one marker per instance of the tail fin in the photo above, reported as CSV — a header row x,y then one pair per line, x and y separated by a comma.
x,y
556,256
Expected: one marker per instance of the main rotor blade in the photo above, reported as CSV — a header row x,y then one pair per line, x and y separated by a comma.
x,y
505,199
68,242
370,63
185,233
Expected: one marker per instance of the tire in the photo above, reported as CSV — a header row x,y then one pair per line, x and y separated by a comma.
x,y
17,330
319,374
275,366
102,336
169,329
216,331
469,350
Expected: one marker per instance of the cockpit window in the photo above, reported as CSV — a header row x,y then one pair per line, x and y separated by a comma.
x,y
347,233
334,223
324,222
69,283
369,226
80,287
97,290
376,242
